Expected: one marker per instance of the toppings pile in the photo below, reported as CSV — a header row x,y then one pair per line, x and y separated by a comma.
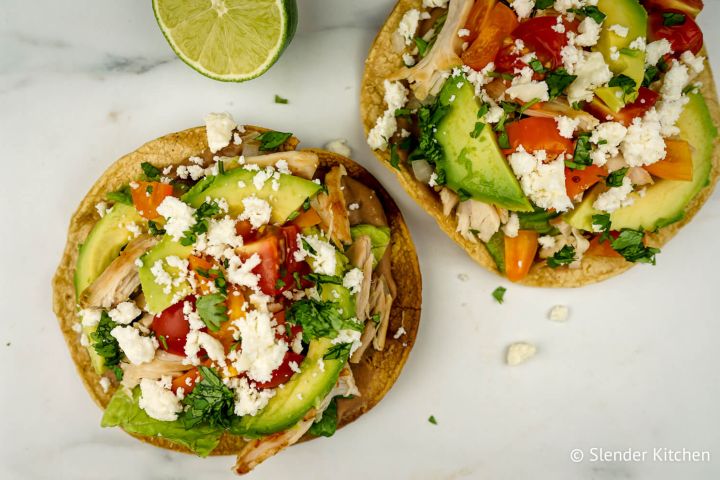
x,y
209,289
542,124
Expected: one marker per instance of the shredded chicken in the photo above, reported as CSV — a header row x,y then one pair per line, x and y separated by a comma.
x,y
639,176
120,278
427,77
560,108
477,219
381,300
302,164
258,450
449,200
361,256
568,236
332,208
163,364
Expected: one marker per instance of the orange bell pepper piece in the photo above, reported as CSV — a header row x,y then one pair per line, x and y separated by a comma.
x,y
677,165
537,133
147,196
491,28
601,249
308,218
520,254
577,181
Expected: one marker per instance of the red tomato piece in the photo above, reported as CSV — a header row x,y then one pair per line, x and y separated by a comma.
x,y
691,7
497,25
537,133
173,326
283,373
268,249
682,37
538,35
147,196
645,101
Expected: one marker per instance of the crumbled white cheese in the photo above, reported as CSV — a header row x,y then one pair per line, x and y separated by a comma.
x,y
615,197
102,208
261,352
353,206
559,26
221,234
339,146
619,30
607,137
644,144
543,182
639,43
567,126
512,227
408,25
559,313
519,352
592,72
523,8
408,59
90,317
656,50
385,126
463,32
249,400
137,349
240,272
547,242
435,3
348,336
133,228
695,64
197,340
526,89
325,260
219,128
124,313
589,33
433,180
158,401
399,332
256,210
104,384
673,100
179,215
353,280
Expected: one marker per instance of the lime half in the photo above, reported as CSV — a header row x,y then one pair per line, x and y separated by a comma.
x,y
228,40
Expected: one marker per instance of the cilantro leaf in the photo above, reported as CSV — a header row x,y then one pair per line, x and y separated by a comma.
x,y
106,345
326,426
630,245
150,171
499,294
557,81
322,278
615,179
208,209
340,351
565,256
429,116
537,66
422,46
212,310
394,157
543,4
590,11
154,229
625,83
211,402
581,156
279,99
672,19
603,224
122,195
652,73
272,140
479,127
318,319
432,420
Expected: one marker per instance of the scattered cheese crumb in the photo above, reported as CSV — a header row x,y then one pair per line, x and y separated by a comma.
x,y
559,313
519,352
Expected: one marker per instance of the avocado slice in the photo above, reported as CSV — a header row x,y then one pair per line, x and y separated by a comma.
x,y
304,391
103,245
155,296
631,62
379,239
237,184
474,166
664,202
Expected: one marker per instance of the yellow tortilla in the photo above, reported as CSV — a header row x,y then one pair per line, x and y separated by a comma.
x,y
376,372
383,61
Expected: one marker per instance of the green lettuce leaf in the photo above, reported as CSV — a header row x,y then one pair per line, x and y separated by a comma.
x,y
326,426
123,411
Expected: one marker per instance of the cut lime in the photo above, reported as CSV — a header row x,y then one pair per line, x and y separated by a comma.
x,y
228,40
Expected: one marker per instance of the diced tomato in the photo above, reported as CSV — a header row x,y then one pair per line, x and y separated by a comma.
x,y
682,37
508,59
268,249
602,249
538,36
677,164
691,7
235,301
173,326
577,181
308,218
147,196
494,27
537,133
478,14
244,229
645,101
520,254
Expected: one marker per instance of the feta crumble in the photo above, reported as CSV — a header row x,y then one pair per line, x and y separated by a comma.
x,y
543,182
158,401
179,215
219,128
339,146
124,313
559,313
408,25
256,210
353,280
519,352
137,349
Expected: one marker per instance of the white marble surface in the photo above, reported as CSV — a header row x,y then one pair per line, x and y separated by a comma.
x,y
636,366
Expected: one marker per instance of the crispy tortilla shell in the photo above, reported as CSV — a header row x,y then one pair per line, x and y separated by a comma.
x,y
383,61
374,375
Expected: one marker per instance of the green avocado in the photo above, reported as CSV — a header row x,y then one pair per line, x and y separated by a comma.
x,y
237,184
104,243
302,392
340,295
496,249
474,166
155,296
630,62
664,202
379,238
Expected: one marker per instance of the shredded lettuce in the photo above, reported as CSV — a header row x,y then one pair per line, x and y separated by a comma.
x,y
123,411
326,426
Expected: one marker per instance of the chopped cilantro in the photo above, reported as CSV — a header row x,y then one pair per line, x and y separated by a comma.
x,y
630,245
557,81
499,294
272,140
581,156
565,256
479,126
210,402
432,420
212,310
106,345
394,156
652,73
163,341
154,229
615,179
590,11
122,195
625,83
279,99
537,66
672,19
601,222
150,171
340,351
543,4
318,319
